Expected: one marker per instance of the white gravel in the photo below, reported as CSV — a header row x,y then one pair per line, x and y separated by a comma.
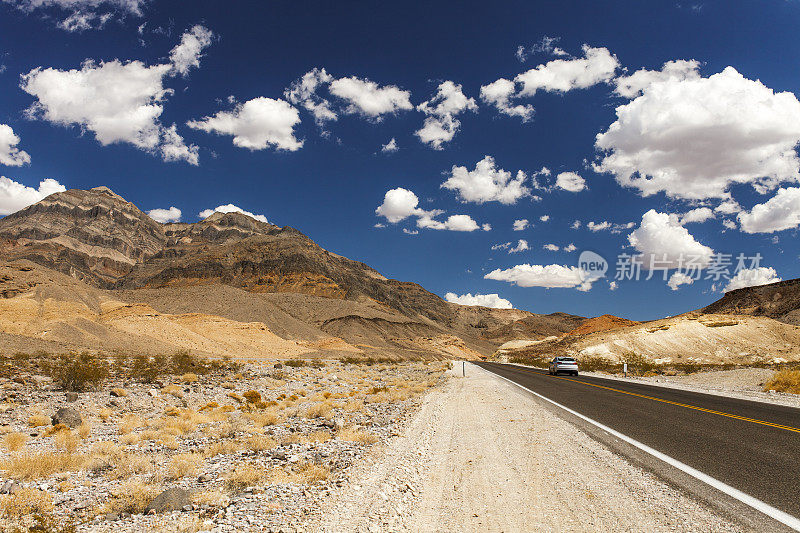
x,y
483,455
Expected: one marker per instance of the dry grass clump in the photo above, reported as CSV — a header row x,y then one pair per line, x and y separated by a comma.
x,y
356,435
132,497
784,381
311,473
173,390
245,475
260,443
26,502
212,498
189,377
252,396
67,440
84,430
14,442
354,406
319,410
27,466
39,420
224,447
119,393
184,464
130,422
261,419
133,464
104,414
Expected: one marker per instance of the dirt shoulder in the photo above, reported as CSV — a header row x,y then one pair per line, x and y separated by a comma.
x,y
482,455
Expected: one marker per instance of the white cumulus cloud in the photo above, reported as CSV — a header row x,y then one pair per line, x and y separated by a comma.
x,y
570,181
661,238
548,276
499,94
119,102
441,124
256,124
694,137
677,279
520,224
634,85
699,214
15,196
487,183
551,247
369,99
304,92
230,208
83,14
452,223
10,155
781,212
187,53
173,214
400,204
561,75
390,147
751,277
522,245
483,300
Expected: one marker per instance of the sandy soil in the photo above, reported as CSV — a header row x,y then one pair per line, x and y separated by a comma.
x,y
479,456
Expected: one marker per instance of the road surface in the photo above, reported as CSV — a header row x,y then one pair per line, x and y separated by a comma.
x,y
751,446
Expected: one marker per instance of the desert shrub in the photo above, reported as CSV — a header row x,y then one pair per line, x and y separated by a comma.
x,y
183,464
316,363
243,476
38,420
77,372
318,410
295,363
13,442
599,364
784,381
132,497
638,364
252,397
28,466
26,502
310,473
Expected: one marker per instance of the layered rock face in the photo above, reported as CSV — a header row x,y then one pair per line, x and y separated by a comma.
x,y
93,235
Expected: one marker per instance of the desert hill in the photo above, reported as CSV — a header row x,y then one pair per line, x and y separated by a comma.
x,y
87,269
780,301
601,323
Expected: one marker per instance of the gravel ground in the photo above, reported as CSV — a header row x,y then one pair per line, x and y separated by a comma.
x,y
292,452
479,456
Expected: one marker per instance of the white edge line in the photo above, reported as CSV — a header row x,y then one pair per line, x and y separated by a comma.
x,y
746,499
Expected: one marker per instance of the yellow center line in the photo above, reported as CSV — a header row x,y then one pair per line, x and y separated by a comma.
x,y
662,400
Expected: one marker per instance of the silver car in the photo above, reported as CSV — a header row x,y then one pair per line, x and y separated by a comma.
x,y
563,364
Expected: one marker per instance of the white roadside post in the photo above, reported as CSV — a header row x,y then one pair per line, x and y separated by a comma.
x,y
463,369
625,369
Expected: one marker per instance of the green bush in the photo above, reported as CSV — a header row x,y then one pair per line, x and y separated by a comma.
x,y
77,372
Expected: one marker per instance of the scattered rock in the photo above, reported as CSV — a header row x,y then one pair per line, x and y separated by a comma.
x,y
72,397
172,499
67,416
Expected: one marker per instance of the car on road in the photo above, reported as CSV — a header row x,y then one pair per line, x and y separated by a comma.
x,y
563,364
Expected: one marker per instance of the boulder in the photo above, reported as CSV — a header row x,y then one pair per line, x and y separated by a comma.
x,y
72,397
67,416
173,499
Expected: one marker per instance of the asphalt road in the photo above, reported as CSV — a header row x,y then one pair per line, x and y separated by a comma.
x,y
751,446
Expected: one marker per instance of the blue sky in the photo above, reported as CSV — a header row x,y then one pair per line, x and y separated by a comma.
x,y
689,137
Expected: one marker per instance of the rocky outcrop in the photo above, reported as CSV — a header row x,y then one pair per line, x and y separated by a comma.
x,y
780,301
92,235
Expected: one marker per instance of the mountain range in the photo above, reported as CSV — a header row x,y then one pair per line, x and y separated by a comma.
x,y
86,269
